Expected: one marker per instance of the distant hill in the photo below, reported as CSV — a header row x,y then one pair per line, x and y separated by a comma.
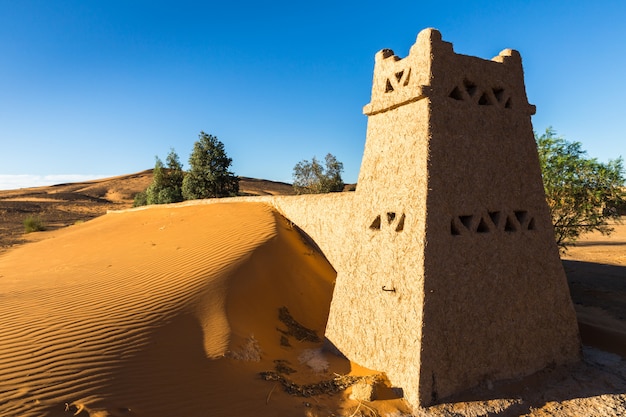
x,y
254,186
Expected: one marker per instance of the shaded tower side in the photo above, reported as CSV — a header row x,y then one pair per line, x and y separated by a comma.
x,y
497,301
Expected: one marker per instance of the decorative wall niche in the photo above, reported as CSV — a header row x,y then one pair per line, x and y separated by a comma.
x,y
398,80
492,222
389,219
482,96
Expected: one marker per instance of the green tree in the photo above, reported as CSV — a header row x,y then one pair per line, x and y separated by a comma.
x,y
208,175
167,182
313,178
582,192
141,199
173,192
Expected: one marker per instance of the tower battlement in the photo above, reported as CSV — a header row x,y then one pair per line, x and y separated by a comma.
x,y
432,69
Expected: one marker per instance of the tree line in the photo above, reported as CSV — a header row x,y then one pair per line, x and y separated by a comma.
x,y
583,194
209,175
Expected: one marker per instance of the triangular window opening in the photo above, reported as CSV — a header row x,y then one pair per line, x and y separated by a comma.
x,y
388,87
454,230
375,224
484,100
400,226
498,93
466,221
407,79
470,87
521,216
510,225
495,217
456,94
482,226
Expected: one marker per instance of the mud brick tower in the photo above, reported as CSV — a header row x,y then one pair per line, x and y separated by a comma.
x,y
450,275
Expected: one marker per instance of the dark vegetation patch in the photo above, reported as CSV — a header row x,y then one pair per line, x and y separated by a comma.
x,y
329,386
282,367
75,197
295,329
33,224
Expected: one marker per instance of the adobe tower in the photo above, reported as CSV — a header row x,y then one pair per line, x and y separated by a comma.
x,y
451,276
448,274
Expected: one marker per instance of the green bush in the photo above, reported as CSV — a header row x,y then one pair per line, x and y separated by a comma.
x,y
33,224
313,178
140,199
584,195
167,183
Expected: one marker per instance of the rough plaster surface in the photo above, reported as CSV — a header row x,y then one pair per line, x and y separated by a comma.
x,y
480,292
447,271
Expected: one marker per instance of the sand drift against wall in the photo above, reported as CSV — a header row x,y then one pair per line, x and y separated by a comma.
x,y
142,313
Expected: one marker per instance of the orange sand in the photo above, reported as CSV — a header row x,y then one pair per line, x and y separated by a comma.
x,y
602,249
158,312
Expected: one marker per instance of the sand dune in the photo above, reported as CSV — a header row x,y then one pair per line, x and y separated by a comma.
x,y
159,312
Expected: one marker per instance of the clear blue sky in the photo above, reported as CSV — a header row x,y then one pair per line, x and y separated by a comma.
x,y
95,88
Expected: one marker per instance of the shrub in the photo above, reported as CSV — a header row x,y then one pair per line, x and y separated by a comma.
x,y
141,199
313,178
167,183
33,224
583,194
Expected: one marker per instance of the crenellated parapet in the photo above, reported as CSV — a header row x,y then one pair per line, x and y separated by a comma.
x,y
459,77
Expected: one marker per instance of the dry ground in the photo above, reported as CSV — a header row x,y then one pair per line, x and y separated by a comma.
x,y
596,271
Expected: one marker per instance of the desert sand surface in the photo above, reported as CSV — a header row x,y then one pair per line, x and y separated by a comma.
x,y
219,310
